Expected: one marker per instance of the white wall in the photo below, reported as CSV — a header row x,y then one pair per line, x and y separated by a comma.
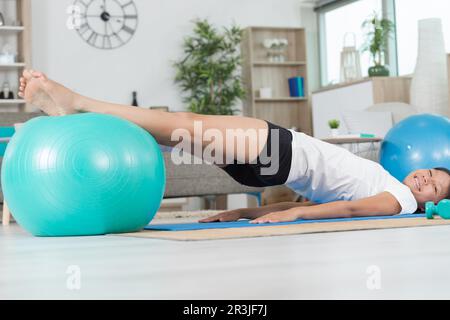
x,y
145,63
309,21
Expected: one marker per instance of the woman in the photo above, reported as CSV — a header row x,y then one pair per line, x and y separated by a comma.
x,y
340,183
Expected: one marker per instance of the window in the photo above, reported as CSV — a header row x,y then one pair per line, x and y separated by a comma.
x,y
343,16
408,13
334,24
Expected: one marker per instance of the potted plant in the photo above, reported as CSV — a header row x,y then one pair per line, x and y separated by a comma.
x,y
334,126
377,33
209,74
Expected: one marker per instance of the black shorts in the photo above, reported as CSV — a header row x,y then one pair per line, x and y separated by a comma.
x,y
250,174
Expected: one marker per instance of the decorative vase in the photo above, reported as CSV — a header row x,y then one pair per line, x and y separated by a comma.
x,y
350,60
429,86
378,71
334,133
277,54
265,93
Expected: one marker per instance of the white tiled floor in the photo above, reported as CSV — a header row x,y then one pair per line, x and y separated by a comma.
x,y
413,263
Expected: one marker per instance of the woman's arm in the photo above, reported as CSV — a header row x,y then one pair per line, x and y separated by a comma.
x,y
253,213
382,204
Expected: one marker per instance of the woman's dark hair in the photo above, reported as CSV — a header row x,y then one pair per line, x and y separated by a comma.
x,y
447,171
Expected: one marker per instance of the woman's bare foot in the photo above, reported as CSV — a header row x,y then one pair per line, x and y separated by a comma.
x,y
51,97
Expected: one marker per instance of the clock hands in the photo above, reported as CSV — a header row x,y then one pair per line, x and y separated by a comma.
x,y
115,33
106,44
105,16
109,15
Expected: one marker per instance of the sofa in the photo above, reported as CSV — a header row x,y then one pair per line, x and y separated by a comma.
x,y
186,180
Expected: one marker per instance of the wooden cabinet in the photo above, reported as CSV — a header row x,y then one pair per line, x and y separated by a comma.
x,y
260,72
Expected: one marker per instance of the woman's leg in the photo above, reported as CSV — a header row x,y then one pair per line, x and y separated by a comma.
x,y
55,99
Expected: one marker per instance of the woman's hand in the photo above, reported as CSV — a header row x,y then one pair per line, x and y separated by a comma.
x,y
279,216
232,215
260,212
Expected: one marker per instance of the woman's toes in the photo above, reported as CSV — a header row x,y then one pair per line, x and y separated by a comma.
x,y
38,74
27,75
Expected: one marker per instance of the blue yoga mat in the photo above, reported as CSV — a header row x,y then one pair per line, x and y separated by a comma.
x,y
247,224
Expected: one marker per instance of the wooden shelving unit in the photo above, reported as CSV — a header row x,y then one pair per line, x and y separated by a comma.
x,y
13,65
260,72
19,37
12,28
288,99
12,101
279,64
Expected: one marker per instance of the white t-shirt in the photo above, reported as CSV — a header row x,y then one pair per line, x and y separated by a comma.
x,y
323,172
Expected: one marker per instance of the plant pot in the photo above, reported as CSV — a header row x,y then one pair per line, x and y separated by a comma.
x,y
334,133
378,71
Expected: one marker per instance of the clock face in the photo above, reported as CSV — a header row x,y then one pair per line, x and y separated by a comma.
x,y
106,24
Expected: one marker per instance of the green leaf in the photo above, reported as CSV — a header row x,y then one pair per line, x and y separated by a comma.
x,y
377,33
209,73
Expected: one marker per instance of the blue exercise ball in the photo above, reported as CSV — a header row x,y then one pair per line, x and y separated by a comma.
x,y
417,142
82,174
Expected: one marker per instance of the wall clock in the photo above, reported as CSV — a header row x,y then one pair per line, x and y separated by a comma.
x,y
106,24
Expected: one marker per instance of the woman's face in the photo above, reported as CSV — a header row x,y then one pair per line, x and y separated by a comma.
x,y
428,185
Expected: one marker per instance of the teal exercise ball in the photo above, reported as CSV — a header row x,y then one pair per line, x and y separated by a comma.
x,y
417,142
82,174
